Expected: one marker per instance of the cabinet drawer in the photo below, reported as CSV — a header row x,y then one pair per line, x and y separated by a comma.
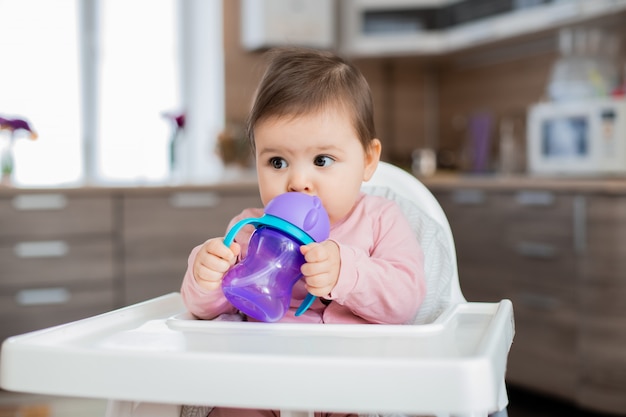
x,y
159,233
541,217
56,262
484,287
546,204
17,317
477,225
200,215
545,352
161,230
159,257
541,263
604,297
143,288
603,291
545,236
472,210
603,363
41,216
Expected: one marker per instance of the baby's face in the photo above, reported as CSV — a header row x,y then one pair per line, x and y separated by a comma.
x,y
318,154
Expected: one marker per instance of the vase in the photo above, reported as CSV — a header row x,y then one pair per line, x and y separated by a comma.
x,y
7,163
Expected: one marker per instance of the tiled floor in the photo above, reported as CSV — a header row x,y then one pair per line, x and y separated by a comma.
x,y
521,404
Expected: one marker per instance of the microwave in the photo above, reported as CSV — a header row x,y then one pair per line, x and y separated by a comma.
x,y
577,138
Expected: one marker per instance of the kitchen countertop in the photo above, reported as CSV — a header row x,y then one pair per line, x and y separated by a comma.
x,y
451,181
439,181
243,184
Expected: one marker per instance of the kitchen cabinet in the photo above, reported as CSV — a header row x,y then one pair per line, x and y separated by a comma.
x,y
521,245
160,229
602,342
57,257
542,235
479,246
73,253
372,28
557,252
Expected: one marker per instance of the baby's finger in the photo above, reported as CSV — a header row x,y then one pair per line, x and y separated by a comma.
x,y
319,285
313,252
207,275
214,263
217,248
236,250
310,269
208,279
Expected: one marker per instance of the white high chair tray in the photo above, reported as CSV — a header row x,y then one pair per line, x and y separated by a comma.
x,y
154,352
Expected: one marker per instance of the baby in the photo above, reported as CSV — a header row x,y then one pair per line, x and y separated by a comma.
x,y
312,131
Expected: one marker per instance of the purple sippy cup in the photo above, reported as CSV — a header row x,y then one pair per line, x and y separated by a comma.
x,y
260,285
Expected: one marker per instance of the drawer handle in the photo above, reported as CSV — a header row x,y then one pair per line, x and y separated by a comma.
x,y
580,224
536,250
468,197
42,296
194,200
41,249
539,301
40,202
535,198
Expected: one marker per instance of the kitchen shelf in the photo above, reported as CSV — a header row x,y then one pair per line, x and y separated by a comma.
x,y
505,26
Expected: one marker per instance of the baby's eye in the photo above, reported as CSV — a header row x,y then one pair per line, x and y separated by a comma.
x,y
278,163
323,160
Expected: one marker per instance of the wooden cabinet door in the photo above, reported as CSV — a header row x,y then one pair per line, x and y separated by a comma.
x,y
543,232
160,229
57,255
520,246
477,223
603,307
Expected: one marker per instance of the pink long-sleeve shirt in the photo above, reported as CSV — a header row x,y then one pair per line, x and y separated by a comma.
x,y
381,279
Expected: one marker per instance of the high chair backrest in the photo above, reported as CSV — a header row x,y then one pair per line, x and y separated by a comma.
x,y
433,232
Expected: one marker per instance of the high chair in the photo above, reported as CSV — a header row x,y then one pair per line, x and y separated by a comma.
x,y
152,358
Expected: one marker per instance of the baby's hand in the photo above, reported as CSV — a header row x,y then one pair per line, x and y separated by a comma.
x,y
321,270
212,262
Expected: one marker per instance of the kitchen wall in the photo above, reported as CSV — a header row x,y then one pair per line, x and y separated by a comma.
x,y
428,101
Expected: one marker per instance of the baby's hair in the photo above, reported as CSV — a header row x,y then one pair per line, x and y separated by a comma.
x,y
300,81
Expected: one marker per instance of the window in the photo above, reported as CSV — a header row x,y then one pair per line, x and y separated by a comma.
x,y
38,81
138,83
94,78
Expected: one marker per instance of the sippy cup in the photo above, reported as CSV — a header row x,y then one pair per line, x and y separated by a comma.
x,y
260,285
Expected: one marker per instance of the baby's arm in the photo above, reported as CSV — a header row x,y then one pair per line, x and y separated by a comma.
x,y
385,283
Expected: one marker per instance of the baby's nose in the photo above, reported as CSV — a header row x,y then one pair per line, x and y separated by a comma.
x,y
299,182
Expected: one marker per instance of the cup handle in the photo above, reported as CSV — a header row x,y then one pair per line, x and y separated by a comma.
x,y
306,303
230,236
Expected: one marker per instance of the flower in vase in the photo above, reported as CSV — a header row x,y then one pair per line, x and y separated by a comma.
x,y
15,126
178,125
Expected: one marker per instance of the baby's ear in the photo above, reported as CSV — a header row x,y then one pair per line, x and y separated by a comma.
x,y
372,156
